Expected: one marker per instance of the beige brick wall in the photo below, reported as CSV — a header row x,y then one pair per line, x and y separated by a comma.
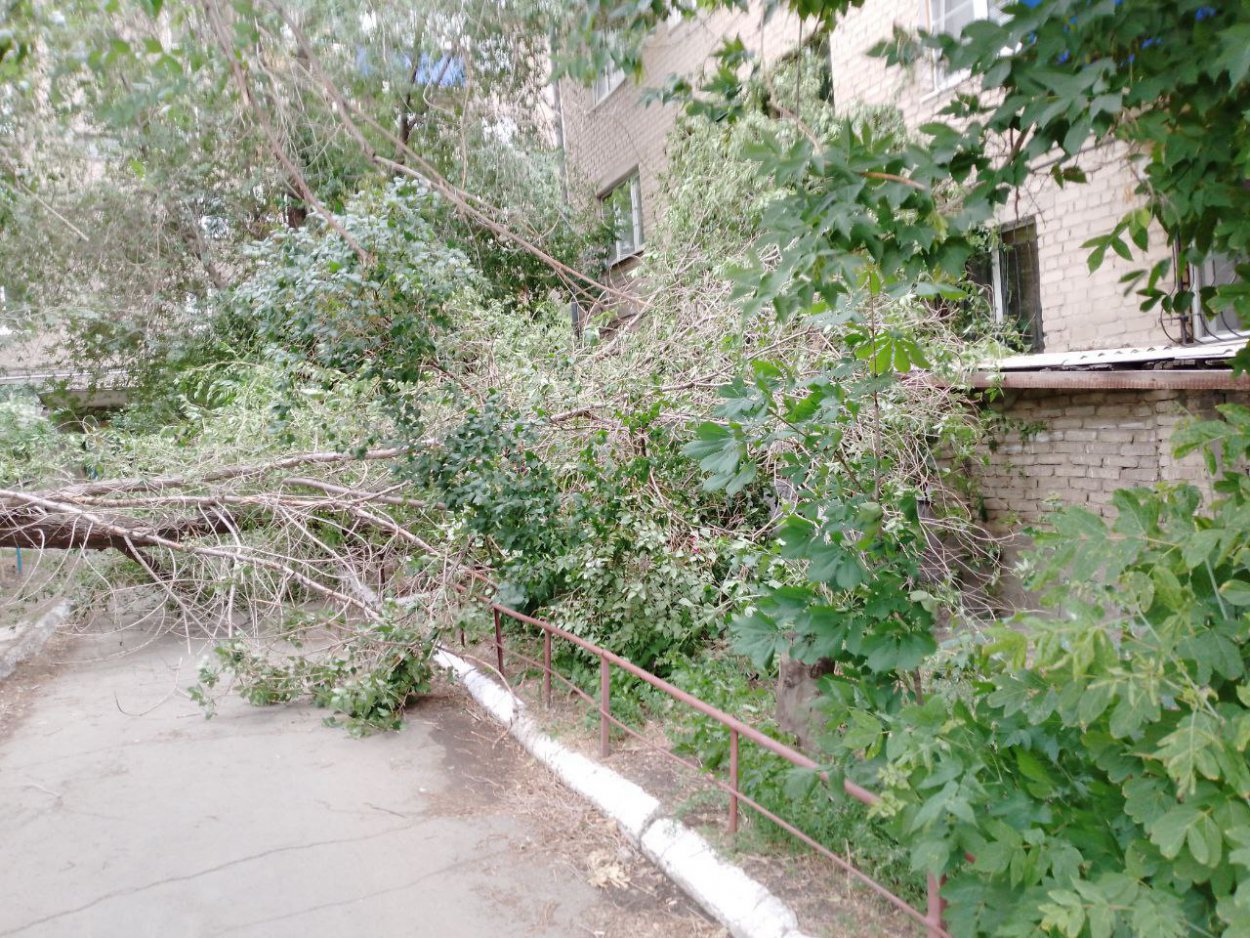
x,y
1078,448
606,142
1080,310
1075,449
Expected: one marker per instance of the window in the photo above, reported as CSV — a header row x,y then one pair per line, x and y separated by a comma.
x,y
950,17
607,81
1017,284
682,11
1210,325
1011,275
622,208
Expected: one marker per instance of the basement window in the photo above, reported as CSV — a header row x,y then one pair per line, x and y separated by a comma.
x,y
1212,324
622,210
1010,273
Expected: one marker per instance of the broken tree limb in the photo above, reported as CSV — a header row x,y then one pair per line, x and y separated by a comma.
x,y
58,530
87,524
161,483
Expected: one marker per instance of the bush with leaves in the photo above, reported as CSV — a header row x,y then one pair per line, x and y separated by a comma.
x,y
579,536
875,516
315,298
30,444
1089,774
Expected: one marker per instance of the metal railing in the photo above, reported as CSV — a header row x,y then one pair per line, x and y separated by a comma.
x,y
930,918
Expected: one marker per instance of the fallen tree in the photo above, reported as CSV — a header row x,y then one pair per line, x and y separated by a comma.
x,y
250,556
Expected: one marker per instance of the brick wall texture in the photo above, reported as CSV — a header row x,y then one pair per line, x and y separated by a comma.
x,y
1075,449
608,141
1081,310
1078,448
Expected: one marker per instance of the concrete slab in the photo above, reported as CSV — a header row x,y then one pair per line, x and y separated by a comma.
x,y
123,812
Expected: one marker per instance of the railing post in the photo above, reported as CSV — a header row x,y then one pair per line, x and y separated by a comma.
x,y
936,906
605,691
733,781
546,668
498,642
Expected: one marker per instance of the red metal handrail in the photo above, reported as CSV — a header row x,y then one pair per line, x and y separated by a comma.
x,y
931,918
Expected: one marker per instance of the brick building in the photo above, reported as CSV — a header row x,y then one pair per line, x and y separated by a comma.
x,y
1104,385
614,143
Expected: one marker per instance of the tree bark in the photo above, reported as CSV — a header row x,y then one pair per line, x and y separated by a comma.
x,y
36,530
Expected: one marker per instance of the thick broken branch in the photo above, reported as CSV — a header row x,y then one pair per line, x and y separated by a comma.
x,y
100,525
161,483
41,530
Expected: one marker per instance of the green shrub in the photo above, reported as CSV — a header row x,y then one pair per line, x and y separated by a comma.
x,y
29,442
1094,767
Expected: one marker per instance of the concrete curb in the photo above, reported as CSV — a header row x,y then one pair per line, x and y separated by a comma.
x,y
30,638
724,890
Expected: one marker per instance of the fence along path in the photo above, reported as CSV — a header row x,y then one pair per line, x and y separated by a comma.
x,y
930,918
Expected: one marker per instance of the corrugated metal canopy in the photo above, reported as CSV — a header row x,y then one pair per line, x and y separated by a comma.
x,y
1121,357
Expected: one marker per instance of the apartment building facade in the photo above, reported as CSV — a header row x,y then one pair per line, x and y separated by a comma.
x,y
614,142
1102,385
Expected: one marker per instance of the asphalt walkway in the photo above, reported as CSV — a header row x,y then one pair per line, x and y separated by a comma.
x,y
125,814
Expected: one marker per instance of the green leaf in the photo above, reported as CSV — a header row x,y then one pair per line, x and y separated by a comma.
x,y
1095,699
1204,840
863,732
1190,751
758,637
1032,768
1235,59
1168,832
1236,592
1136,708
930,856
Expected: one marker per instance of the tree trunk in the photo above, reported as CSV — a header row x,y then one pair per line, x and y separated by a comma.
x,y
798,696
35,530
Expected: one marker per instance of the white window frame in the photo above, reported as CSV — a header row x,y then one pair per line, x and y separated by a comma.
x,y
607,81
1200,276
623,249
681,11
998,296
998,286
942,79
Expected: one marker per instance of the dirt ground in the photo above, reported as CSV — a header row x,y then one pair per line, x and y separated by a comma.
x,y
126,813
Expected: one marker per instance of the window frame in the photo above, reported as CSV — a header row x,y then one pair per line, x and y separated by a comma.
x,y
623,250
1201,276
997,275
942,79
606,81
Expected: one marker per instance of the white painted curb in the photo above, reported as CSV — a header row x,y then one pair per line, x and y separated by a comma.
x,y
724,890
31,637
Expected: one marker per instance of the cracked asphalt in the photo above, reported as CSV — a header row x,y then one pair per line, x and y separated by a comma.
x,y
123,812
